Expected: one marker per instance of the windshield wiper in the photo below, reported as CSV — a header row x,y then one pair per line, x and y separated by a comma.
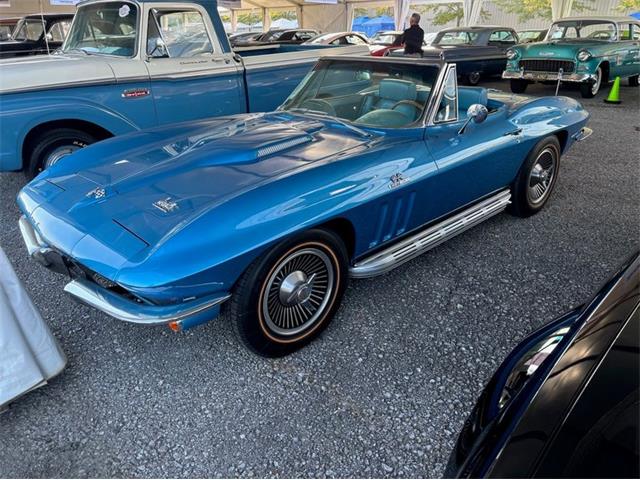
x,y
340,121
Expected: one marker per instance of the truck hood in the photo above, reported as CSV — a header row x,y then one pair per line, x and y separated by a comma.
x,y
52,71
154,183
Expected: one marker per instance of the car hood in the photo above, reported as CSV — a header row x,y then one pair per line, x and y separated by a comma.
x,y
557,49
154,183
51,71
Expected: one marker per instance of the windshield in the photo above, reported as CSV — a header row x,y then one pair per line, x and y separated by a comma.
x,y
385,38
365,93
584,29
456,38
105,28
530,35
30,29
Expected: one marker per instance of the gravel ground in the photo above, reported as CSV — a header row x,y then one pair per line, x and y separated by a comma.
x,y
383,392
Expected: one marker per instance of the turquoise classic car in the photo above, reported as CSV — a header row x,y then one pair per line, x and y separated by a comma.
x,y
590,51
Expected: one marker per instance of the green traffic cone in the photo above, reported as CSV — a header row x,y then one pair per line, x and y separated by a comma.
x,y
614,94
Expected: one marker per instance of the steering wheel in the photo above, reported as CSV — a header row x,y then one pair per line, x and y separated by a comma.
x,y
320,105
416,105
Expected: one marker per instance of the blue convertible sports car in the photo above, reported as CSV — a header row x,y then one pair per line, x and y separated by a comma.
x,y
367,164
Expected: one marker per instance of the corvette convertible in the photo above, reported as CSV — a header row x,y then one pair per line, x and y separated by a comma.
x,y
367,164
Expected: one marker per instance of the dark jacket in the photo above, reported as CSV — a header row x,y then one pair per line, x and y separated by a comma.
x,y
413,38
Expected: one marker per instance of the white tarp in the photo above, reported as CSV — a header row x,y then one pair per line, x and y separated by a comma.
x,y
29,353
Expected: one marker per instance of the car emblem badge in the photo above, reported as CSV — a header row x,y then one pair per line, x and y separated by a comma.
x,y
167,205
97,193
396,180
547,54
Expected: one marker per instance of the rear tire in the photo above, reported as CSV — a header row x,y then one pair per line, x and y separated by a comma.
x,y
52,146
518,86
537,178
473,78
290,294
634,81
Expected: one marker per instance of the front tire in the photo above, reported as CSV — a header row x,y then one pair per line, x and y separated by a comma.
x,y
473,78
53,146
518,86
591,89
290,294
537,178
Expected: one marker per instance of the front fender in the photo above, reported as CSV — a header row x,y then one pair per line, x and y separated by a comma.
x,y
22,113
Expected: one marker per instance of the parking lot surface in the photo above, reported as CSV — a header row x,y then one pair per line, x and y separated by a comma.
x,y
382,393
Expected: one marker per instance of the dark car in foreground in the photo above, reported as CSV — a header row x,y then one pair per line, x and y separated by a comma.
x,y
564,403
484,49
36,35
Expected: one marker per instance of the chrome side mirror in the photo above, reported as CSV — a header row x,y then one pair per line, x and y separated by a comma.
x,y
161,47
476,113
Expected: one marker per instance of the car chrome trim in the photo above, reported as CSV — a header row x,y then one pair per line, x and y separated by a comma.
x,y
405,250
582,134
553,76
127,310
35,246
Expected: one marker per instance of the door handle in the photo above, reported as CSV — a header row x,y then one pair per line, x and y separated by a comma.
x,y
515,132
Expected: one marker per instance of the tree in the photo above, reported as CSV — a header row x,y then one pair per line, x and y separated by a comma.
x,y
530,9
628,6
445,13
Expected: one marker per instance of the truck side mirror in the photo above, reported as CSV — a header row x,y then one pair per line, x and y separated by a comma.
x,y
476,113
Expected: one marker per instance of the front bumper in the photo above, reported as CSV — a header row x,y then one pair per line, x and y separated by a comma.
x,y
125,308
548,76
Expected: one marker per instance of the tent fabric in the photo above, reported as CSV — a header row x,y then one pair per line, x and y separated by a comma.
x,y
29,353
375,24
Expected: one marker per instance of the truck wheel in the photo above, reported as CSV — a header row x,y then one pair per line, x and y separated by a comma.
x,y
290,294
591,89
52,146
633,81
537,178
518,86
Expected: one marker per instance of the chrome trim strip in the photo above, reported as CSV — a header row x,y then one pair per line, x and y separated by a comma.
x,y
435,102
405,250
36,247
542,76
126,310
584,133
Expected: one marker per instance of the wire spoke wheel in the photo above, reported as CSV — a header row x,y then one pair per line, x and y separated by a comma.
x,y
542,175
298,291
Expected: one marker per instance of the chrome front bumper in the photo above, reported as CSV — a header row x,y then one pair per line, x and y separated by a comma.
x,y
582,134
544,76
182,315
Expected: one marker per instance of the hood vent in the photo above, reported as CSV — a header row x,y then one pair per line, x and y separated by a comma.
x,y
280,146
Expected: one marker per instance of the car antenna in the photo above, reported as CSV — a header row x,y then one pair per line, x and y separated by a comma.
x,y
44,27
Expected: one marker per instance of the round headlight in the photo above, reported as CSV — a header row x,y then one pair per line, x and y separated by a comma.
x,y
584,55
511,54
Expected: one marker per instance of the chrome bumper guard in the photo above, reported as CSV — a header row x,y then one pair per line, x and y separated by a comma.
x,y
551,76
583,133
185,315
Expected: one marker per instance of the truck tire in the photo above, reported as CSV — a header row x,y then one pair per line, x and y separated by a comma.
x,y
518,86
50,147
290,294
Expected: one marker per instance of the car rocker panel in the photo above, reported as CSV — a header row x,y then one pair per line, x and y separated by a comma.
x,y
164,225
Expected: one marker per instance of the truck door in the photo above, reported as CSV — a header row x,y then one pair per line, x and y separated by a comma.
x,y
191,77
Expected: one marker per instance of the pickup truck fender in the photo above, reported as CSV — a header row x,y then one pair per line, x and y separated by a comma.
x,y
22,116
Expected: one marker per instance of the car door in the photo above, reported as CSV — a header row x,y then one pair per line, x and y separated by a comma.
x,y
191,77
628,51
481,160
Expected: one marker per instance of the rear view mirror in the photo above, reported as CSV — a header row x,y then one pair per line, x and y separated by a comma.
x,y
476,113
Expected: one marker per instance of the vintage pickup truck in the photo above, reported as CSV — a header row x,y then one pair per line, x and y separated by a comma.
x,y
131,64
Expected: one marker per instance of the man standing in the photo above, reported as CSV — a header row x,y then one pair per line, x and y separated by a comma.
x,y
413,37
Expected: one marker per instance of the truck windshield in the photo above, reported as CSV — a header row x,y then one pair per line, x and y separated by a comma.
x,y
108,28
582,29
365,93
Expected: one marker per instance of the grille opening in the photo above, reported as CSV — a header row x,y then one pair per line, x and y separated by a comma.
x,y
548,65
